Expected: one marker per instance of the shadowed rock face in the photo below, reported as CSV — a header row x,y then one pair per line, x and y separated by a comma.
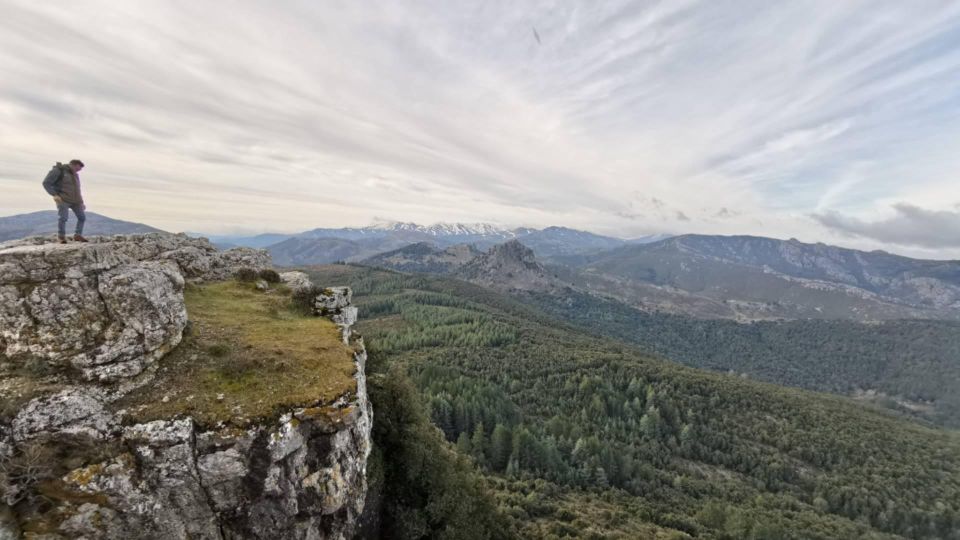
x,y
100,317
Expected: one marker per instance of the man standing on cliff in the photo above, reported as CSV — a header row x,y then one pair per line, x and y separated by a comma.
x,y
63,183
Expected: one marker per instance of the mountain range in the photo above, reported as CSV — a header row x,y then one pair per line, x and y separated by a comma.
x,y
557,390
45,222
744,278
358,243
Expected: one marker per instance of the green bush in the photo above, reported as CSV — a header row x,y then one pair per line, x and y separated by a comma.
x,y
304,299
269,275
246,275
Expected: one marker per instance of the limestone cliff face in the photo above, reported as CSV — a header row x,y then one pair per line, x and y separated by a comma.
x,y
96,321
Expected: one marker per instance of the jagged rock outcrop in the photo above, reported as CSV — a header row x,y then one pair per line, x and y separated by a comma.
x,y
335,302
97,319
509,266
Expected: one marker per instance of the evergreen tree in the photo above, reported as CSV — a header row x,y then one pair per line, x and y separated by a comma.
x,y
713,515
478,445
463,444
501,446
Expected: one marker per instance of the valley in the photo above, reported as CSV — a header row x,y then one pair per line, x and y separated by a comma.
x,y
568,427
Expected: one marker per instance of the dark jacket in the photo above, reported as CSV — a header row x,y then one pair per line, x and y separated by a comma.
x,y
62,181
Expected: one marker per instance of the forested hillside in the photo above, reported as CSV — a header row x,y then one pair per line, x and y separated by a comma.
x,y
587,436
913,365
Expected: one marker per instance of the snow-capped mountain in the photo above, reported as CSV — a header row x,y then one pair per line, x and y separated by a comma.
x,y
356,243
450,229
440,233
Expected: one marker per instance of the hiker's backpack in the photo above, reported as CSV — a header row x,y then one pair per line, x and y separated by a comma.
x,y
56,183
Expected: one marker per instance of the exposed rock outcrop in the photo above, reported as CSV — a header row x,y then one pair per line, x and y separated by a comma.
x,y
109,308
509,266
196,258
335,302
89,308
296,280
97,319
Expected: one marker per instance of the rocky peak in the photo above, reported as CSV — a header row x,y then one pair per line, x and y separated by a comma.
x,y
509,257
507,266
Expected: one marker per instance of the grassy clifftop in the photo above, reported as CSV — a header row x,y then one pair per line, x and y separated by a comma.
x,y
248,355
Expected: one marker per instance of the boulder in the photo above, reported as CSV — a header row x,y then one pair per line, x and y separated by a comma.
x,y
296,280
89,308
105,309
332,299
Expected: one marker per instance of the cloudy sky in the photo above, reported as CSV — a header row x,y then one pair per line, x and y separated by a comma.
x,y
825,121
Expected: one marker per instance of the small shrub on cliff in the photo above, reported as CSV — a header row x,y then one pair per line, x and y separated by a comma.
x,y
20,472
304,299
269,275
245,275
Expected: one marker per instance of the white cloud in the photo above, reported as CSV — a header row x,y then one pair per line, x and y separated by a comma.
x,y
302,114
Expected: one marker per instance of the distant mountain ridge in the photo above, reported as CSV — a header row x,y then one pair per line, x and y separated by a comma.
x,y
737,277
760,278
424,257
45,222
440,233
358,243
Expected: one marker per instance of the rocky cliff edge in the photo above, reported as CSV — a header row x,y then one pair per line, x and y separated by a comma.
x,y
147,395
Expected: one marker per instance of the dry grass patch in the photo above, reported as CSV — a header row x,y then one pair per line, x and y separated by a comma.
x,y
248,356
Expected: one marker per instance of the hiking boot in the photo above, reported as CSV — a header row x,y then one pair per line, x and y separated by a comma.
x,y
79,238
62,239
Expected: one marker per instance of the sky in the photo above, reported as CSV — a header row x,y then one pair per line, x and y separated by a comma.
x,y
824,121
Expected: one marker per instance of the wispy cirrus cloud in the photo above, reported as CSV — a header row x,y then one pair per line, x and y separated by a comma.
x,y
303,114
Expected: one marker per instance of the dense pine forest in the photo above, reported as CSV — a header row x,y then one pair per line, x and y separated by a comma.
x,y
912,366
575,435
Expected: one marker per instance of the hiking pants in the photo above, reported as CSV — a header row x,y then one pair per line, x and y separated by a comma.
x,y
62,210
